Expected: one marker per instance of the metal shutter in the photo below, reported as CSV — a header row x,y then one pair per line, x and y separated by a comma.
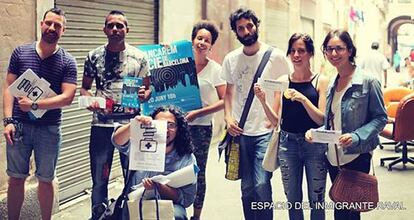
x,y
85,20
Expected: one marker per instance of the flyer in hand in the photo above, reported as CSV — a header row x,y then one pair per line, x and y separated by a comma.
x,y
130,89
30,85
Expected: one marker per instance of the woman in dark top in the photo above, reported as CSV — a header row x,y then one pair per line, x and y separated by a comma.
x,y
303,108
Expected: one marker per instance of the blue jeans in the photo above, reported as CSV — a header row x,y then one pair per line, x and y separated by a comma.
x,y
294,154
101,151
255,181
44,141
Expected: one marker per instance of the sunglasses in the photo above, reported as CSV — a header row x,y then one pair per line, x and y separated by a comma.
x,y
117,25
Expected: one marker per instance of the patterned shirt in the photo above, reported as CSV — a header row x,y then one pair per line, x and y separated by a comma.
x,y
56,69
108,69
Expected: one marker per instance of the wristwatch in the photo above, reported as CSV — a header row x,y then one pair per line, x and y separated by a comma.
x,y
34,106
8,120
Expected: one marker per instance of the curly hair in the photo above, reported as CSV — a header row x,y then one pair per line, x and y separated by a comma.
x,y
182,142
243,13
209,26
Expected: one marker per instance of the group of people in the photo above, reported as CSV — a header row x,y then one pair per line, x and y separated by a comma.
x,y
352,103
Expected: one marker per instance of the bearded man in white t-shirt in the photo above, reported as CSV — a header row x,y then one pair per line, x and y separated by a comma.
x,y
239,68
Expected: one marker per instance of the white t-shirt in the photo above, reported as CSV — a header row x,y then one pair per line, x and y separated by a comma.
x,y
336,109
208,79
239,70
375,63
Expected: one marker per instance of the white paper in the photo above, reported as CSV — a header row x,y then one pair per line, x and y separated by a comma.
x,y
148,142
86,101
30,85
182,177
273,85
325,136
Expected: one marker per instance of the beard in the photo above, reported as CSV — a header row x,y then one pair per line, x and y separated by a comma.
x,y
50,37
248,40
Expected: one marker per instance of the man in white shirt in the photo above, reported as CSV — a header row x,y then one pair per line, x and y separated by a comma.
x,y
376,63
239,68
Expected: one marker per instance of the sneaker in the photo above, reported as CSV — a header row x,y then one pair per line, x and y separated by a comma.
x,y
97,211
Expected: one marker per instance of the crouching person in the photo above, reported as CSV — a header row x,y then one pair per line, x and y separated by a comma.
x,y
179,154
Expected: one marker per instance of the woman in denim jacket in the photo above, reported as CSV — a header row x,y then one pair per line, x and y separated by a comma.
x,y
355,105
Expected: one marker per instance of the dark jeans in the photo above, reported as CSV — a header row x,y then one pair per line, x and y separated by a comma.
x,y
361,163
101,151
296,155
255,181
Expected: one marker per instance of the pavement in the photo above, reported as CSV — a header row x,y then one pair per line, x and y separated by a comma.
x,y
222,202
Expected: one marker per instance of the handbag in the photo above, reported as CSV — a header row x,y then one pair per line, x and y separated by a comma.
x,y
270,160
357,189
156,209
117,207
233,160
230,143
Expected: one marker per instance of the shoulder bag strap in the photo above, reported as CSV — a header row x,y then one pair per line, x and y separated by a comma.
x,y
279,113
331,120
250,97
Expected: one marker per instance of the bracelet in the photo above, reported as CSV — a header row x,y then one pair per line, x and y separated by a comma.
x,y
8,120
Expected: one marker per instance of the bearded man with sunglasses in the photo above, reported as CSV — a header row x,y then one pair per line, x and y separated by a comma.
x,y
108,65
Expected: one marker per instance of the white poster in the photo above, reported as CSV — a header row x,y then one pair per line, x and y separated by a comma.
x,y
148,142
30,85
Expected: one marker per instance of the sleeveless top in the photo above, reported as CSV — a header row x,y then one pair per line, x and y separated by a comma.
x,y
295,119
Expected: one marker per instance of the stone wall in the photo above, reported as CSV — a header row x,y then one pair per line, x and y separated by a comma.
x,y
18,27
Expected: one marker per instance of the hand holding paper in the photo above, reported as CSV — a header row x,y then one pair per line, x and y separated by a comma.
x,y
273,85
86,101
177,179
325,136
148,145
33,87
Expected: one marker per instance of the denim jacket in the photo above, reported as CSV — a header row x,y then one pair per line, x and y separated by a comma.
x,y
362,110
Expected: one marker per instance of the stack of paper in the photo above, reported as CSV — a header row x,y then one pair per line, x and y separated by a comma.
x,y
179,178
86,101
